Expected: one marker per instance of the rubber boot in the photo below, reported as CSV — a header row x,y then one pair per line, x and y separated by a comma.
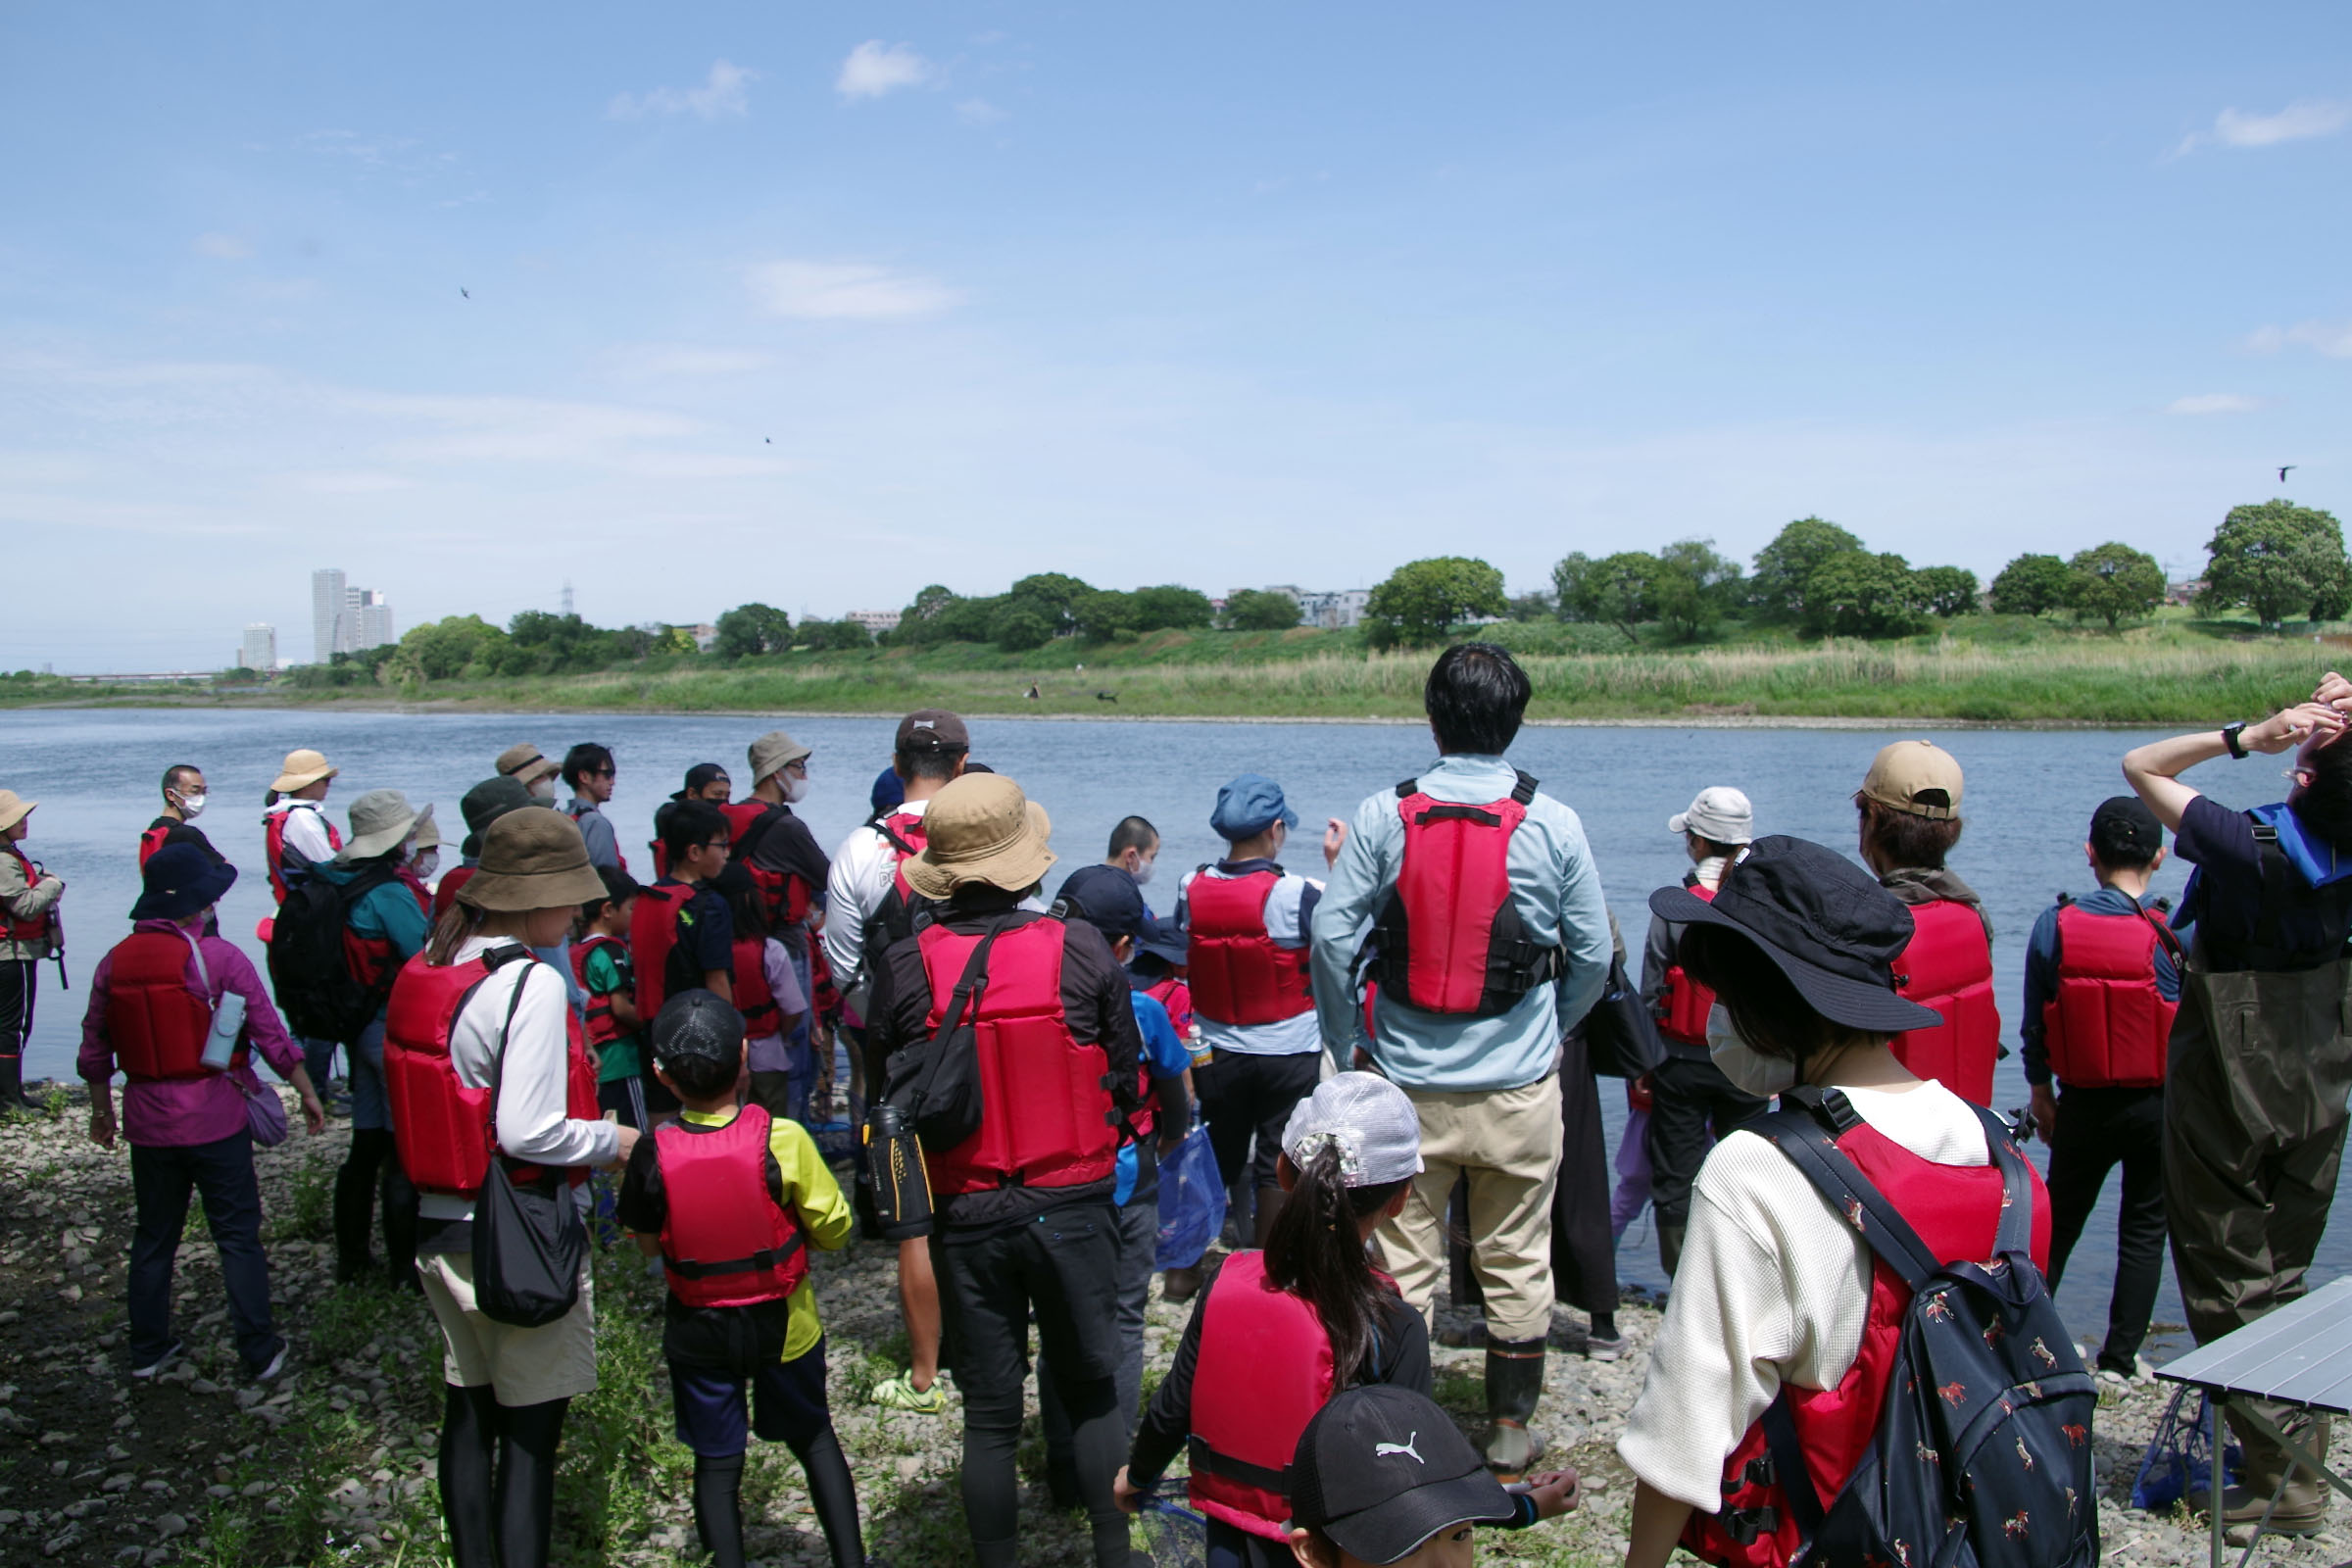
x,y
1269,1204
355,1218
1670,1246
11,1086
1515,1383
2302,1503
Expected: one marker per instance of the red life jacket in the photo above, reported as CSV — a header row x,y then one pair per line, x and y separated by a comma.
x,y
653,933
603,1029
35,928
1449,939
2108,1025
1683,1010
273,833
152,840
370,959
446,894
727,1238
1048,1115
444,1129
416,888
752,998
1264,1370
1239,974
1956,1209
893,919
1175,994
1949,966
156,1024
783,893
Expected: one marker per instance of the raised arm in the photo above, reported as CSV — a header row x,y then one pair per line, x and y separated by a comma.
x,y
2154,770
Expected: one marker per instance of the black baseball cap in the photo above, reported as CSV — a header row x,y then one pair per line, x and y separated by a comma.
x,y
932,730
698,1023
1106,898
1822,920
2123,832
1380,1470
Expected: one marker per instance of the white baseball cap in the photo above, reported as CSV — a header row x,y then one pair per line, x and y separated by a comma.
x,y
1719,812
1369,1119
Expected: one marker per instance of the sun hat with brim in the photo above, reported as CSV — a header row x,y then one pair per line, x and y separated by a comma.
x,y
426,833
533,857
1164,940
178,880
380,820
981,830
772,752
1381,1469
524,763
485,803
1822,921
14,809
301,770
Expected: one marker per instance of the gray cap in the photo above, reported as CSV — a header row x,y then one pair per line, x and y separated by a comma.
x,y
1368,1119
1719,812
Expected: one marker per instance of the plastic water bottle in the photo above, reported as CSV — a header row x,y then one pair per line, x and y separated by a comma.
x,y
228,1021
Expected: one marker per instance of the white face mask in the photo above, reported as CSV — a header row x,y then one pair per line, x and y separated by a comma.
x,y
543,789
1143,871
191,806
1749,1071
425,863
795,788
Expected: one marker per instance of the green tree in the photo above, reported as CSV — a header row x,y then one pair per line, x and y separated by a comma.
x,y
827,635
1857,594
1620,590
1785,566
1102,614
2114,580
2032,585
751,629
1422,600
1696,587
1017,628
1053,595
2278,559
445,649
1541,604
1172,606
1259,609
1946,591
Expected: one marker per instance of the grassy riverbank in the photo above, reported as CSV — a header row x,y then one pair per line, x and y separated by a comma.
x,y
2168,672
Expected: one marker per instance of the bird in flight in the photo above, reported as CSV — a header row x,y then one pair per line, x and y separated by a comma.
x,y
768,440
2287,469
465,293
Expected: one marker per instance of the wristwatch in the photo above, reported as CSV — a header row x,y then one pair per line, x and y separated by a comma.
x,y
2229,738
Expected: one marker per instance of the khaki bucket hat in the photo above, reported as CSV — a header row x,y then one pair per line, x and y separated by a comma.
x,y
425,834
302,770
533,857
1920,778
524,763
14,809
380,820
981,830
772,752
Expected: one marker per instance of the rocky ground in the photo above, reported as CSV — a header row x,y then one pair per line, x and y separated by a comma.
x,y
335,1462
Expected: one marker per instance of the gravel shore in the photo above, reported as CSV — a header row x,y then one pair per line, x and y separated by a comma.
x,y
334,1460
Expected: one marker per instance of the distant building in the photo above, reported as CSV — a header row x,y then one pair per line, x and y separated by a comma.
x,y
327,612
1334,610
259,652
706,636
876,621
345,619
2184,593
369,619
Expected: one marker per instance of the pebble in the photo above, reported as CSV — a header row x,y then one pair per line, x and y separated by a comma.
x,y
170,1525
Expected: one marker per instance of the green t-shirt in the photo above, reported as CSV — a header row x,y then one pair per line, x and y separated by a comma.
x,y
621,1057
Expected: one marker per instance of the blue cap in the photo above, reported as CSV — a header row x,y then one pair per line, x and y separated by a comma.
x,y
889,790
1106,898
1248,806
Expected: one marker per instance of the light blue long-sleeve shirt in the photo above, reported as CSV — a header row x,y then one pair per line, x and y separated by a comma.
x,y
1556,891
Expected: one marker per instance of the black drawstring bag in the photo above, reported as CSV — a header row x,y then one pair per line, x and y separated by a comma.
x,y
529,1244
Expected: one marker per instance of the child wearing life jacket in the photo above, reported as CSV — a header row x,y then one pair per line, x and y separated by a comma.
x,y
1283,1330
599,962
731,1201
2102,984
768,995
1777,1297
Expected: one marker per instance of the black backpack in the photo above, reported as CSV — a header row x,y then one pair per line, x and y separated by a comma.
x,y
317,991
1983,1450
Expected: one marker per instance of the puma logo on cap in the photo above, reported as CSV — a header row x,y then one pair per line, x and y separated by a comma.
x,y
1382,1450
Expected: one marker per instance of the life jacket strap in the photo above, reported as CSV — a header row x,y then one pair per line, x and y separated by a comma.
x,y
1207,1460
766,1257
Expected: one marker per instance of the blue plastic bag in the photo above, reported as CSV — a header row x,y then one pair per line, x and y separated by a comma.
x,y
1191,1202
2180,1456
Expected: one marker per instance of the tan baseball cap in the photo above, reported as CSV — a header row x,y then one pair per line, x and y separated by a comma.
x,y
1920,778
981,828
524,763
302,770
14,809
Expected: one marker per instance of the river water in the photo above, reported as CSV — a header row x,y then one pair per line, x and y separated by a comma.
x,y
2028,805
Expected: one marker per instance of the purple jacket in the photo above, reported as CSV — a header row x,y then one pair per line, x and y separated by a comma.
x,y
186,1112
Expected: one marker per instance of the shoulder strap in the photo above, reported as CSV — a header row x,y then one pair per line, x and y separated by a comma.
x,y
967,993
2016,1233
746,846
495,959
1812,1150
2165,937
1524,790
1408,789
881,825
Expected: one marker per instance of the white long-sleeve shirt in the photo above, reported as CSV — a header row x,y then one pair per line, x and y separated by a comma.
x,y
864,868
1774,1286
532,1123
306,829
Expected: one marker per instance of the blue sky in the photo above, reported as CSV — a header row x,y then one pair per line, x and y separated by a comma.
x,y
818,305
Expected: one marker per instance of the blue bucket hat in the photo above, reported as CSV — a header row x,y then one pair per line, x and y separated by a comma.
x,y
1248,806
179,880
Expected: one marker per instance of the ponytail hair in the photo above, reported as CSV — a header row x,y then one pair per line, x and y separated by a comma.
x,y
1314,1251
452,932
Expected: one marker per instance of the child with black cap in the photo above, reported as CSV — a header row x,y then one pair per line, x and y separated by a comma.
x,y
2102,984
731,1201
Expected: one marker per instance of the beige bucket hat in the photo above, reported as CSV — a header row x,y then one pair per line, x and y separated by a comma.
x,y
533,857
1920,778
380,820
981,828
302,770
524,763
425,834
772,752
14,809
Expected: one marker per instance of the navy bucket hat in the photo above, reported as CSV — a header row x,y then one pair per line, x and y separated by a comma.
x,y
178,880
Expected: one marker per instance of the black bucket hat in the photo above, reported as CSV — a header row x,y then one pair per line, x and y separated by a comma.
x,y
179,880
1828,926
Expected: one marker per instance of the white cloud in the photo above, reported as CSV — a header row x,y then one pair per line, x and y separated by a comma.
x,y
2297,122
875,67
722,94
2214,403
979,111
832,292
2331,338
222,247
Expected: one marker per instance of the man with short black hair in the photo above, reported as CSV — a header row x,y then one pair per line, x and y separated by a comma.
x,y
184,802
1134,848
1492,940
589,770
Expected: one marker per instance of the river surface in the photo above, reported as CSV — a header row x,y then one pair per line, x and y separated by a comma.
x,y
2029,801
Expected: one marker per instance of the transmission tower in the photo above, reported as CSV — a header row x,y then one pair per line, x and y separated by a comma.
x,y
567,596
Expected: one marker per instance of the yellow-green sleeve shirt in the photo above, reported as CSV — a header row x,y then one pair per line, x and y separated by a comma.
x,y
818,1201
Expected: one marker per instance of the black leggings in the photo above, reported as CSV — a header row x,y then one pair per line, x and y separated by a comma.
x,y
498,1479
371,1163
20,984
718,1501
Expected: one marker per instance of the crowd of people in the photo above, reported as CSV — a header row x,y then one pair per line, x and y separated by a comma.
x,y
1394,1066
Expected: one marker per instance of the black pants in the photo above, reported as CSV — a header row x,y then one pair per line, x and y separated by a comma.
x,y
1242,1097
19,982
1694,1104
1584,1251
161,1180
2098,1130
1064,1267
